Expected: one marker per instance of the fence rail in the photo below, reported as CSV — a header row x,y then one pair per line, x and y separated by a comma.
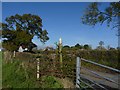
x,y
110,68
100,76
78,77
94,83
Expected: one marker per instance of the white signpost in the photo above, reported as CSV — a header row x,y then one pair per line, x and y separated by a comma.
x,y
60,50
78,64
38,69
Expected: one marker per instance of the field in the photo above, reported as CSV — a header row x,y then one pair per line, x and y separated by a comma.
x,y
20,71
15,76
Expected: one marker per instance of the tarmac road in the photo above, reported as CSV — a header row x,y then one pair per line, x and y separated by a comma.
x,y
114,81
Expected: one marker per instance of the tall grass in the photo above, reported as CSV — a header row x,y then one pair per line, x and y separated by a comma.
x,y
17,75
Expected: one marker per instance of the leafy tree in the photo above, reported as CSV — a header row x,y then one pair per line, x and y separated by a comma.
x,y
101,43
78,46
66,46
21,29
86,46
15,38
93,15
100,47
111,48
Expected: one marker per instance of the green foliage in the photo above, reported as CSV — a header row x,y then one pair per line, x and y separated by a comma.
x,y
87,47
43,36
21,29
51,82
17,76
0,69
105,57
100,48
66,47
78,46
94,15
101,43
12,75
74,48
22,74
15,38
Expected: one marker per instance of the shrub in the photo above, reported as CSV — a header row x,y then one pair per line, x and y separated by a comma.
x,y
50,82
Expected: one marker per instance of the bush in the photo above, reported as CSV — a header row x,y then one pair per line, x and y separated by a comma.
x,y
16,75
50,82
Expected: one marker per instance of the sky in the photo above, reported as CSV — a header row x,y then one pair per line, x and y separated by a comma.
x,y
63,19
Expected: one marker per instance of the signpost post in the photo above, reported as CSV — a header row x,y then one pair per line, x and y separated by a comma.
x,y
60,50
78,64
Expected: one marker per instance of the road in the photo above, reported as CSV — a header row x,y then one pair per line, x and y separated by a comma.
x,y
114,81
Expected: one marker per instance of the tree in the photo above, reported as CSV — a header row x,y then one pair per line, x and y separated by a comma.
x,y
111,48
66,46
100,48
86,46
21,29
94,15
101,43
78,46
15,38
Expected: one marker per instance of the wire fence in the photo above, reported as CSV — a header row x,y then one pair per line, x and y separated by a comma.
x,y
49,65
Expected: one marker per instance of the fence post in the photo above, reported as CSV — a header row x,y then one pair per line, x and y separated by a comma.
x,y
78,63
14,54
38,68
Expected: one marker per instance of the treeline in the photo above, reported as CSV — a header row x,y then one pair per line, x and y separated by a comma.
x,y
89,47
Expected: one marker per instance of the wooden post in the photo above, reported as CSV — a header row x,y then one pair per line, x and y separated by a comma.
x,y
38,68
78,64
60,51
14,54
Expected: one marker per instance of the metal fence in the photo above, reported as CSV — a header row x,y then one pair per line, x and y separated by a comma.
x,y
92,83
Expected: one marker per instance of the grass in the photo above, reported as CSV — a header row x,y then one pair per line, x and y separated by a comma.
x,y
15,76
50,82
0,69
